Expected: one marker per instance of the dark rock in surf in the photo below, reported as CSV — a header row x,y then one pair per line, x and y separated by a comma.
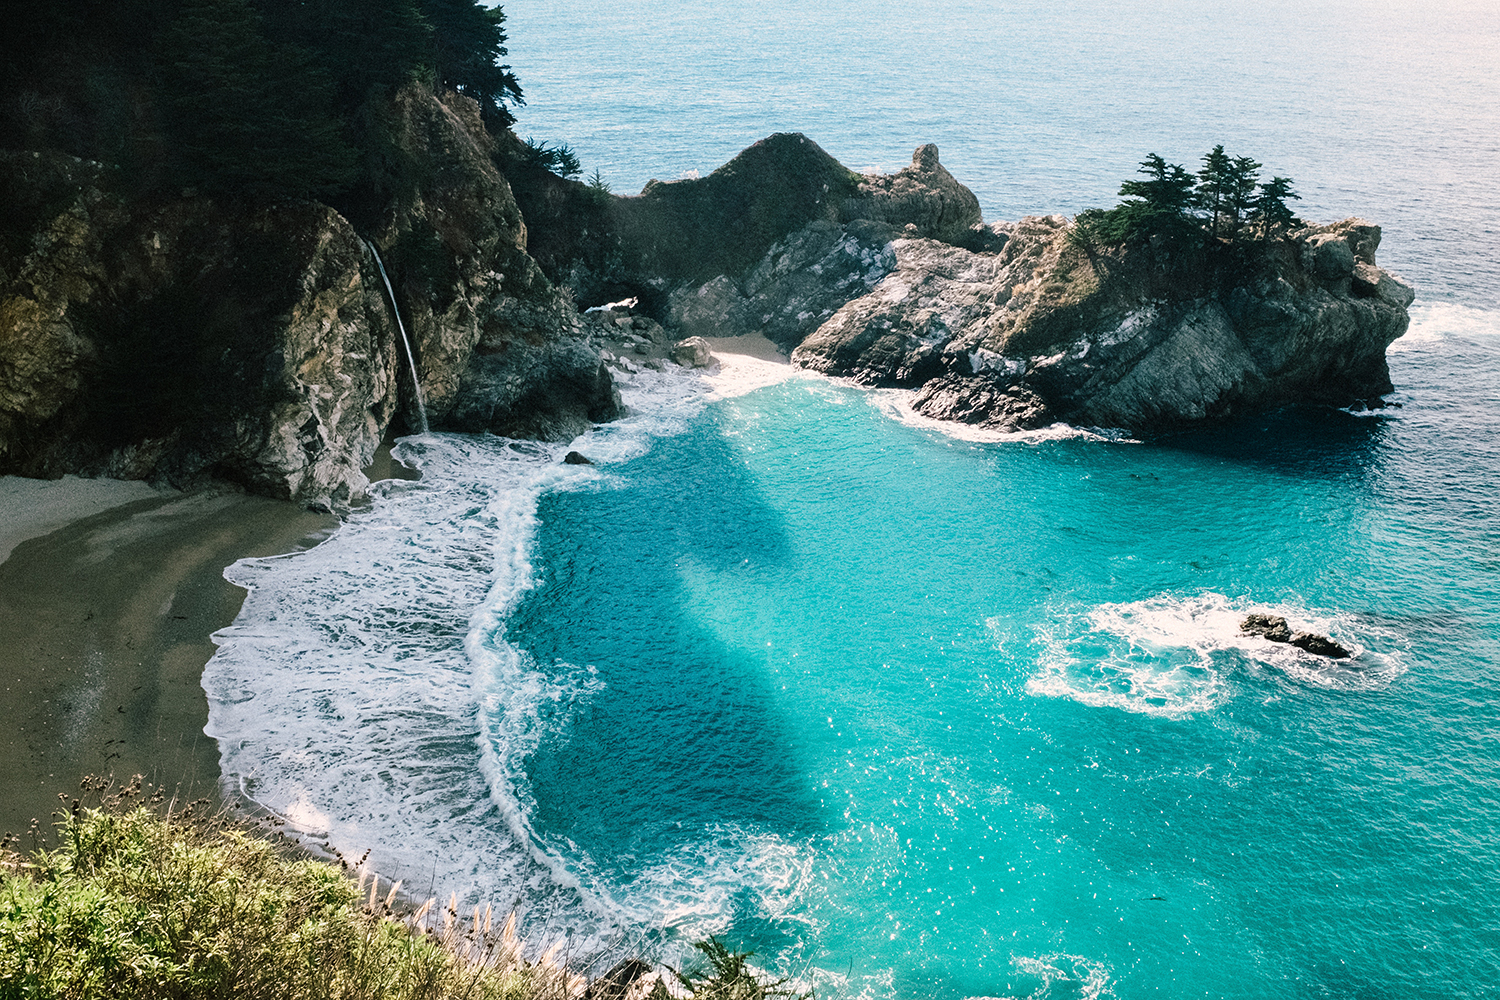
x,y
1276,629
1273,627
694,352
574,458
617,982
1319,645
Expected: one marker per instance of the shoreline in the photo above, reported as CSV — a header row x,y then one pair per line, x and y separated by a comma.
x,y
109,595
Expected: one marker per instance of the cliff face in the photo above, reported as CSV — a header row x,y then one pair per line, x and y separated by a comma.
x,y
178,338
894,281
1039,332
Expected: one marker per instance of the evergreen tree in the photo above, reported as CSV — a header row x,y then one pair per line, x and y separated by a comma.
x,y
370,47
1213,181
469,41
1271,214
1168,192
246,115
1239,192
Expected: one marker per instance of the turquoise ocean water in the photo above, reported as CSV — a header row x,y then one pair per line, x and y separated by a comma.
x,y
922,715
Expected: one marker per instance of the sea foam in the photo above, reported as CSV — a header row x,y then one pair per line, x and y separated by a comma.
x,y
367,695
1179,656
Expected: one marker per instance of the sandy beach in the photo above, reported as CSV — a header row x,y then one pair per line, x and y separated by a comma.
x,y
109,591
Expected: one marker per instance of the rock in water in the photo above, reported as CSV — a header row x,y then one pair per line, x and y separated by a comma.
x,y
894,281
1273,627
574,458
693,352
1319,644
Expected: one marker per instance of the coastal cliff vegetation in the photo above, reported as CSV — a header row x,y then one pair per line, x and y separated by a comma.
x,y
136,898
249,98
1221,223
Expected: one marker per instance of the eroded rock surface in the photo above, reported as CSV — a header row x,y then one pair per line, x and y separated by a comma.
x,y
177,338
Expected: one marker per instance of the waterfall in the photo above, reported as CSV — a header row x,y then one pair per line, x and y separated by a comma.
x,y
411,359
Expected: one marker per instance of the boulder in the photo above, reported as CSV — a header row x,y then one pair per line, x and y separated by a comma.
x,y
694,352
1276,629
1319,645
1273,627
574,458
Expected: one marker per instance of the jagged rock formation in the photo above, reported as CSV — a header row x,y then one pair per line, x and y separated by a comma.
x,y
894,281
177,338
499,348
1039,332
174,337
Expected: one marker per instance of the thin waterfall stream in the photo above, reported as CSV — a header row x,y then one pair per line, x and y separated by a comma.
x,y
411,359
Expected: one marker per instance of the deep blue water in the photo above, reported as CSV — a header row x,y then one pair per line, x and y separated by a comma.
x,y
919,716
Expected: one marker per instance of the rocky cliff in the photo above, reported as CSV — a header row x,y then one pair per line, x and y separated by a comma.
x,y
178,337
1040,330
893,280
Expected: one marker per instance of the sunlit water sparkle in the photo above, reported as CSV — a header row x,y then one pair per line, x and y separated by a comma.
x,y
914,715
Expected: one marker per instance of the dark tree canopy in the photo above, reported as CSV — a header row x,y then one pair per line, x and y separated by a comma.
x,y
1222,207
241,97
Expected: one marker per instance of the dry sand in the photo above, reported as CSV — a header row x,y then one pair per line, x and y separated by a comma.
x,y
107,601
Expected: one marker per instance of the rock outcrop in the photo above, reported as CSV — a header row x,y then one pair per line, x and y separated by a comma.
x,y
895,281
1039,332
176,338
1276,629
1019,325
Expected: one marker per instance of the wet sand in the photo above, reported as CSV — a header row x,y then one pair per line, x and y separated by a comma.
x,y
105,625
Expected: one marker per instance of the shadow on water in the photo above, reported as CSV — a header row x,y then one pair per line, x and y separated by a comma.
x,y
1316,441
683,742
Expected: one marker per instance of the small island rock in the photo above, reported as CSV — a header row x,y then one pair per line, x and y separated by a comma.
x,y
1275,628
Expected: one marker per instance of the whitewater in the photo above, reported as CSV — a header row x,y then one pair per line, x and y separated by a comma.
x,y
915,711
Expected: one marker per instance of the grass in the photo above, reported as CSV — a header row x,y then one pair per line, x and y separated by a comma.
x,y
138,899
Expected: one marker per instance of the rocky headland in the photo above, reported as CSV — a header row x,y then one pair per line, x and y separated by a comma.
x,y
177,338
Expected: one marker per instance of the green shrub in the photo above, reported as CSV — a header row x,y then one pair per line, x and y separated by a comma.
x,y
135,903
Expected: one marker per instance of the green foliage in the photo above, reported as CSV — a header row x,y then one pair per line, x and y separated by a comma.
x,y
265,98
1176,213
131,904
469,42
729,977
597,182
1270,213
283,138
560,160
